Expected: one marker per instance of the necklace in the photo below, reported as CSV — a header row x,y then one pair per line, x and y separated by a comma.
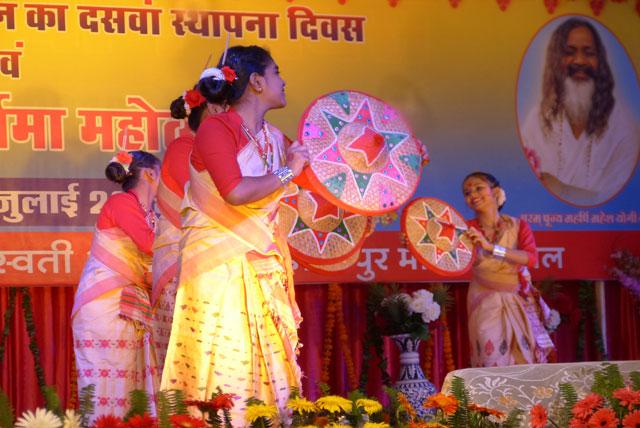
x,y
149,214
266,152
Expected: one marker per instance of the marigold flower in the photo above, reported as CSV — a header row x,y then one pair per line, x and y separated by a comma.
x,y
370,406
375,425
402,399
448,404
334,403
538,416
584,408
186,421
605,418
485,410
301,405
632,420
258,411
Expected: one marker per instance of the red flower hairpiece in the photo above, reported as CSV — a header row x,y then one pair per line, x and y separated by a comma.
x,y
193,98
123,158
229,74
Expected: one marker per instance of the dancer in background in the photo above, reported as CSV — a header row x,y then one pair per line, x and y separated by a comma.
x,y
173,177
506,314
236,318
111,317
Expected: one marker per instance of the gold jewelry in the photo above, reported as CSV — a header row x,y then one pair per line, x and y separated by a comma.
x,y
266,152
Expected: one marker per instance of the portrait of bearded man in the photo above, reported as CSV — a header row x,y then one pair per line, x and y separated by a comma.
x,y
580,140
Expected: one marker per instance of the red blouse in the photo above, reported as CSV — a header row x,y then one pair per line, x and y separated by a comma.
x,y
175,164
123,211
218,141
526,240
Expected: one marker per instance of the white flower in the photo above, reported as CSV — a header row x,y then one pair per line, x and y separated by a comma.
x,y
501,197
42,418
431,313
420,301
71,419
553,321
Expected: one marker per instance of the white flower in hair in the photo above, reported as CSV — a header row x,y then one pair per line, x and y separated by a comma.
x,y
214,72
501,197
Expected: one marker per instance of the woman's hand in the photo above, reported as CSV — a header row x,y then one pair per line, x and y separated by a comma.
x,y
297,157
478,239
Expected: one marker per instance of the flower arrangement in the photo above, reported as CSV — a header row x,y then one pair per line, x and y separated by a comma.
x,y
403,313
627,270
612,403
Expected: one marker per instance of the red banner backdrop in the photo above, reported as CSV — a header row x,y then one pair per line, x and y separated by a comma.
x,y
57,258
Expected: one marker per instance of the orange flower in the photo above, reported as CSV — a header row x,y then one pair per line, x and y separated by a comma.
x,y
632,420
585,407
402,399
603,418
485,410
538,416
627,397
448,404
186,421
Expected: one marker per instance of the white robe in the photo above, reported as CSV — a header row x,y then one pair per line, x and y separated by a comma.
x,y
587,170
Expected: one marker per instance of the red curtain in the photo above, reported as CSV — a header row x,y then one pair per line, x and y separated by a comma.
x,y
52,307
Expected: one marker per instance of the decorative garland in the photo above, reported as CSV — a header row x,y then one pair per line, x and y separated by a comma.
x,y
335,314
448,347
327,348
344,341
587,305
7,321
427,356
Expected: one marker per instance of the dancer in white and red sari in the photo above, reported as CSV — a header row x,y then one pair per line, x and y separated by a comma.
x,y
173,177
111,317
236,318
507,316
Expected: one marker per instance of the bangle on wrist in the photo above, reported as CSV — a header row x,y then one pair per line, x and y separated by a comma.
x,y
284,174
499,251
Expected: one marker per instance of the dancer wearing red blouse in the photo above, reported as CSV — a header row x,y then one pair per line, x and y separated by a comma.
x,y
111,317
506,314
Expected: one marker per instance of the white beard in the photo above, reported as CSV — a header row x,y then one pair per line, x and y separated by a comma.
x,y
577,100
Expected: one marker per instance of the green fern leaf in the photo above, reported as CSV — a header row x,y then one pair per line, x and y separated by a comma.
x,y
86,405
139,403
635,380
514,419
52,400
6,411
569,399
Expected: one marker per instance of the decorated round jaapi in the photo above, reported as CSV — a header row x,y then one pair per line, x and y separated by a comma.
x,y
333,268
435,235
317,231
363,155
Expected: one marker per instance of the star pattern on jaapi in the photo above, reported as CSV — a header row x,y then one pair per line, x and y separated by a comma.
x,y
446,229
371,142
322,209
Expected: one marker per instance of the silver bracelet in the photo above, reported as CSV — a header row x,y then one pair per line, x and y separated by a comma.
x,y
284,174
499,251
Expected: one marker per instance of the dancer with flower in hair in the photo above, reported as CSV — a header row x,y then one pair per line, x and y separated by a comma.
x,y
236,318
506,313
193,107
111,316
